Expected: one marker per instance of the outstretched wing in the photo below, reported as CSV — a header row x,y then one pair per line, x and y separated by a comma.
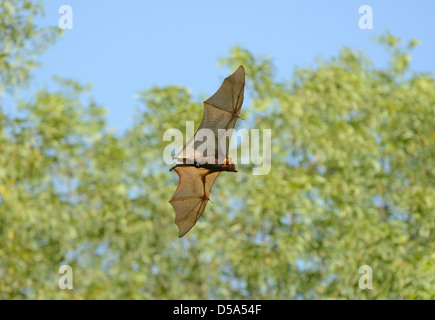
x,y
192,195
221,111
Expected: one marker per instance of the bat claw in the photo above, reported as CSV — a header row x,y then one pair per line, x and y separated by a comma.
x,y
205,198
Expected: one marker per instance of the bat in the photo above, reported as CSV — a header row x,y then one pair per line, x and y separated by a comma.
x,y
198,172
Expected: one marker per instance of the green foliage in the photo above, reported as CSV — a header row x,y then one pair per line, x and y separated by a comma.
x,y
352,184
21,40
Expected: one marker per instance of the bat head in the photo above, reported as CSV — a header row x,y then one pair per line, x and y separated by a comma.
x,y
230,166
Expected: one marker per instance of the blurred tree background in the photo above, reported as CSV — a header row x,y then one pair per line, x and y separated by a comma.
x,y
352,183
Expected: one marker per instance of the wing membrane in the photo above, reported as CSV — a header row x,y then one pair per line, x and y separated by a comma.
x,y
192,195
221,111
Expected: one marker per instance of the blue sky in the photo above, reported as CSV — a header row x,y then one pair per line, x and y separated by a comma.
x,y
123,47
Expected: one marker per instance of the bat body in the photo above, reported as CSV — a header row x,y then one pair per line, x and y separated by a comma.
x,y
197,172
209,163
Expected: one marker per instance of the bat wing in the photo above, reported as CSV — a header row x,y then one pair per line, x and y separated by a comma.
x,y
221,111
191,196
